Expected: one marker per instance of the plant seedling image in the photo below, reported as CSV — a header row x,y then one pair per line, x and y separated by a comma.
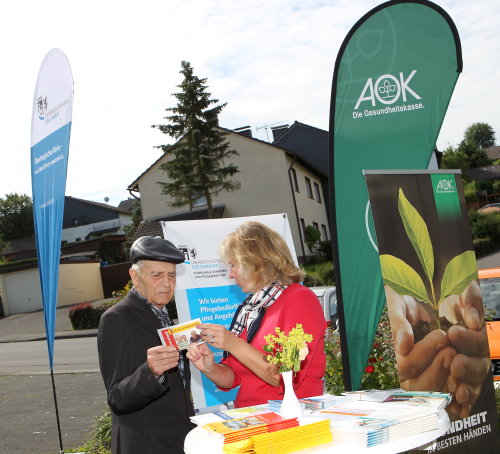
x,y
404,280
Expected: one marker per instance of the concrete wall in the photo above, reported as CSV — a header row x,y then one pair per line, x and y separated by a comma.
x,y
78,283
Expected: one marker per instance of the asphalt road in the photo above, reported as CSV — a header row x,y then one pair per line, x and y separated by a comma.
x,y
27,412
70,355
489,261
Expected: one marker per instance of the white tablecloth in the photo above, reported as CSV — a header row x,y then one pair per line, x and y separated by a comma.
x,y
199,440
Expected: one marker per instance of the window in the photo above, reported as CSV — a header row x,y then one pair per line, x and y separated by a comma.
x,y
309,188
294,180
200,200
318,194
76,222
316,226
324,232
78,239
303,225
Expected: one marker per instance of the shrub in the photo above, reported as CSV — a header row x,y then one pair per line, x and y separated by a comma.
x,y
84,316
483,246
318,274
380,371
118,295
98,440
325,250
485,229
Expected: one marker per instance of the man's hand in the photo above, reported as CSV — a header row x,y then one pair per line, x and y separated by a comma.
x,y
161,359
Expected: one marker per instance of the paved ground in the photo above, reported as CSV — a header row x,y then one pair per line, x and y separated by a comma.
x,y
489,261
27,413
28,422
31,326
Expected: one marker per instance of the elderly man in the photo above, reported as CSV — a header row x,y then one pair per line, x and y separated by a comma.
x,y
147,384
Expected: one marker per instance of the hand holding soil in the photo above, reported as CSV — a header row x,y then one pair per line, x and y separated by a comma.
x,y
468,336
425,364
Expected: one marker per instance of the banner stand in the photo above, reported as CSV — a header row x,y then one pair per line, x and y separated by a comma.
x,y
50,134
391,87
57,412
434,299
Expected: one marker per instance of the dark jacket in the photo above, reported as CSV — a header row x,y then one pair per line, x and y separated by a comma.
x,y
148,416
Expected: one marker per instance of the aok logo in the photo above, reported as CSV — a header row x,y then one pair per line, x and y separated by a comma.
x,y
445,186
387,89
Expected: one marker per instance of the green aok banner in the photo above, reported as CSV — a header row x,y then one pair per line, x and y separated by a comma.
x,y
434,300
393,79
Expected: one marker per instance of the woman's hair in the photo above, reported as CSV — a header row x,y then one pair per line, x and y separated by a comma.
x,y
261,254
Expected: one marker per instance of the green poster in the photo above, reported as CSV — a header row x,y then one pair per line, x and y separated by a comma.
x,y
393,80
434,300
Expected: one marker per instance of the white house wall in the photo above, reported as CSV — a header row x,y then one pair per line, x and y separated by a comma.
x,y
265,188
78,283
309,209
80,232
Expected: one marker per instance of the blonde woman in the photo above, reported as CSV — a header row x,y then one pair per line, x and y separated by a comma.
x,y
261,265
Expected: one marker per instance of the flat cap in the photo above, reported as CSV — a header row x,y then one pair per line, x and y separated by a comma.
x,y
155,248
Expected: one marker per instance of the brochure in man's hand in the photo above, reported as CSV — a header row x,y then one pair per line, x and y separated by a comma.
x,y
181,336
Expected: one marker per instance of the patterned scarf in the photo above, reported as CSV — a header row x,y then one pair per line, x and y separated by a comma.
x,y
162,315
250,313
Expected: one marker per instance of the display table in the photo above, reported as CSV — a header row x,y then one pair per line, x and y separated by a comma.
x,y
199,440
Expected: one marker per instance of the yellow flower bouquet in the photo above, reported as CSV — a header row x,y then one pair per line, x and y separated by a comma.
x,y
287,350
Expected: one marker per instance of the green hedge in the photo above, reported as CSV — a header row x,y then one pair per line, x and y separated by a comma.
x,y
485,229
86,316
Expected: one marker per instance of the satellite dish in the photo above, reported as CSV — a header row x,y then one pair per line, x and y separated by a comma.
x,y
106,199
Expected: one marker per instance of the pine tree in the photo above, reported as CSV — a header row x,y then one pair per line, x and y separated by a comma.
x,y
198,167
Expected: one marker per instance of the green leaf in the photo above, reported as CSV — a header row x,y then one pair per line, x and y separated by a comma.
x,y
417,232
459,272
402,278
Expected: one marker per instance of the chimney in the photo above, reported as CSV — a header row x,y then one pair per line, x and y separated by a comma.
x,y
278,131
245,131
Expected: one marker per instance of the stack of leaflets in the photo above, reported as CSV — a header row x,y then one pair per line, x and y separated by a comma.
x,y
375,395
309,404
347,410
232,430
181,336
310,433
429,399
223,414
386,425
365,423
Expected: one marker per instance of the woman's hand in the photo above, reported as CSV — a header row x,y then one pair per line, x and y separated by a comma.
x,y
217,336
202,357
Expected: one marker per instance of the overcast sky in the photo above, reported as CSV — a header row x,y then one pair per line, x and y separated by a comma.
x,y
272,61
